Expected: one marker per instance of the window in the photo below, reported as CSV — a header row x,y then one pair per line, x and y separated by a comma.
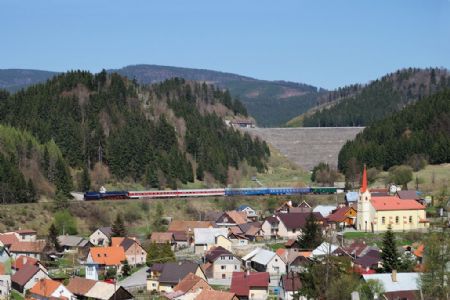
x,y
383,220
397,219
235,267
223,276
222,257
410,219
222,267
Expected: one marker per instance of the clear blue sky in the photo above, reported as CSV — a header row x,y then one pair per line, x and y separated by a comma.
x,y
324,43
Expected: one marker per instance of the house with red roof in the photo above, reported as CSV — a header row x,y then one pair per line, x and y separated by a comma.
x,y
48,289
102,258
376,214
250,285
288,225
289,285
342,217
23,260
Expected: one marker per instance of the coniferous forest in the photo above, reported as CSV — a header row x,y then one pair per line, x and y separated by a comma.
x,y
160,135
363,105
422,129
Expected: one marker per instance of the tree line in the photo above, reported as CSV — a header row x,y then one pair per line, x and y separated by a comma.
x,y
362,106
105,118
420,129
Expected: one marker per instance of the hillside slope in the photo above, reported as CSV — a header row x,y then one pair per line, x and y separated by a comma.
x,y
272,103
13,80
361,105
160,135
420,129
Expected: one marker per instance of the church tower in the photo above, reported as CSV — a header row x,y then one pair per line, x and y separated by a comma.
x,y
363,215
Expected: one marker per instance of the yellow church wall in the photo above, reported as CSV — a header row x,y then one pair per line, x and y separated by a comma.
x,y
400,220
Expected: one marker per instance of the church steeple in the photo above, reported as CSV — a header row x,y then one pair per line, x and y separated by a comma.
x,y
364,181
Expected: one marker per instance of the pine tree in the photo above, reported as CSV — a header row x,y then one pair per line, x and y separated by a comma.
x,y
389,255
46,162
53,237
63,180
199,172
312,234
31,192
118,228
85,179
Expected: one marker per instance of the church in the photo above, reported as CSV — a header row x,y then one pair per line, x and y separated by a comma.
x,y
375,214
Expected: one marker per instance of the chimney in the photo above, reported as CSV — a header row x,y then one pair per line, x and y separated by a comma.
x,y
394,275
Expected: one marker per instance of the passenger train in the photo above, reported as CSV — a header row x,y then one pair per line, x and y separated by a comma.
x,y
262,191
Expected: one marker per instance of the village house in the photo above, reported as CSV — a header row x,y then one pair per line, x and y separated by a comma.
x,y
188,226
102,258
74,244
376,214
324,210
253,286
367,263
163,238
22,260
84,288
26,235
134,252
263,260
101,237
26,277
190,286
287,225
215,295
250,212
289,285
168,275
47,289
397,285
220,263
241,234
231,218
33,249
324,249
182,240
5,282
205,238
342,217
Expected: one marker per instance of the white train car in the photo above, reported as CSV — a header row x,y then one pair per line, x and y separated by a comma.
x,y
176,193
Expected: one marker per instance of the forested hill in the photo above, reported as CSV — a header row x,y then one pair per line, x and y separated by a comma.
x,y
271,103
15,79
361,105
420,130
160,135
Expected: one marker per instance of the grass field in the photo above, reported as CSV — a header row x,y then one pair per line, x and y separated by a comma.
x,y
432,179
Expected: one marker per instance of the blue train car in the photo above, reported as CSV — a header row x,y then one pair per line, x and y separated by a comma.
x,y
246,192
289,191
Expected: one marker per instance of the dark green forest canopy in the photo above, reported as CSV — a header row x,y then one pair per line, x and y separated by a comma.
x,y
362,105
422,128
106,117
